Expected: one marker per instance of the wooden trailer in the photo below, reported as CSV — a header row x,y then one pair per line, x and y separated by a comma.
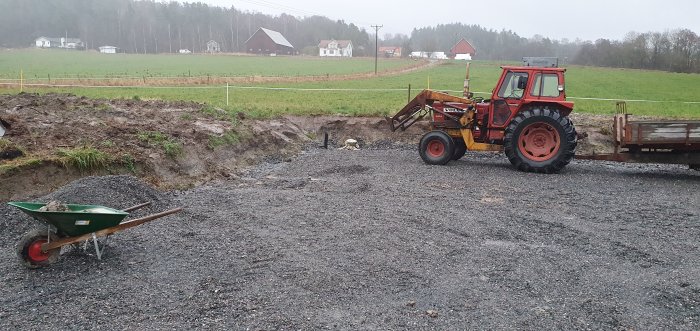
x,y
653,141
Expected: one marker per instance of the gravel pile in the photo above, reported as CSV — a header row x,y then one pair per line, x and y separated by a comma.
x,y
117,192
375,239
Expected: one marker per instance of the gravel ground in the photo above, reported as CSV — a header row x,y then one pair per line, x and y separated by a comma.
x,y
375,239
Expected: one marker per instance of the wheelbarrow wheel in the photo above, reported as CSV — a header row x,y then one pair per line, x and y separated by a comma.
x,y
29,249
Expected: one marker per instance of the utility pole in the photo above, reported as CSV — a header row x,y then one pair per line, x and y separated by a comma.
x,y
376,45
170,39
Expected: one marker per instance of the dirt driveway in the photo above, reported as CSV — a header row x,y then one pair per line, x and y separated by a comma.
x,y
375,239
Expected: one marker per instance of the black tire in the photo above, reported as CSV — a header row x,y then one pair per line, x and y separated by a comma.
x,y
695,167
460,148
436,147
26,249
554,136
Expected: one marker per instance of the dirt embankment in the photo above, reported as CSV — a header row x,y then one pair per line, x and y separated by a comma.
x,y
55,138
169,144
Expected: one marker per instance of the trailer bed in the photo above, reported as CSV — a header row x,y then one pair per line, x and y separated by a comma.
x,y
678,135
675,142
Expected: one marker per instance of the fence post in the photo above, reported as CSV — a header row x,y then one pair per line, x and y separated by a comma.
x,y
227,93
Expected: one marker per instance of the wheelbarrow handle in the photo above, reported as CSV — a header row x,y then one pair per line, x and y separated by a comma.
x,y
123,226
130,209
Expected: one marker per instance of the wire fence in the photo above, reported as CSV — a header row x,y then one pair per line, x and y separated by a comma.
x,y
17,83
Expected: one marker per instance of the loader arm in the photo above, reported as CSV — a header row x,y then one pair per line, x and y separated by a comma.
x,y
416,109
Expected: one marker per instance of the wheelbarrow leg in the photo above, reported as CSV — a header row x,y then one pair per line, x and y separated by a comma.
x,y
97,246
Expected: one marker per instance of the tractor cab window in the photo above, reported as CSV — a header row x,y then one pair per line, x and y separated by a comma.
x,y
546,85
514,85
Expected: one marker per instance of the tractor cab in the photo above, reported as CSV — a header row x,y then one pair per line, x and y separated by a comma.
x,y
521,87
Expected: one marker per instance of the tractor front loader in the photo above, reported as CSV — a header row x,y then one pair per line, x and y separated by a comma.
x,y
526,117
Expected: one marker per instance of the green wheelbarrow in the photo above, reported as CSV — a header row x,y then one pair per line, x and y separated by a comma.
x,y
41,247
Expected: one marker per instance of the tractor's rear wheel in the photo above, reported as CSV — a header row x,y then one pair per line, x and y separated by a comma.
x,y
29,248
540,140
436,147
460,148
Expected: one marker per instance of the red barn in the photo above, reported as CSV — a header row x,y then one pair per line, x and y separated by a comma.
x,y
265,41
462,50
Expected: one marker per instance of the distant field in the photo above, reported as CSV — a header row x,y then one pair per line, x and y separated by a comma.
x,y
44,63
382,95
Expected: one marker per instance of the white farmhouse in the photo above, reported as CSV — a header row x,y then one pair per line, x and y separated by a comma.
x,y
72,43
43,42
335,48
108,49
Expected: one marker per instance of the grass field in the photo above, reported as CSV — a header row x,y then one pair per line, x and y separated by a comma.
x,y
667,94
40,64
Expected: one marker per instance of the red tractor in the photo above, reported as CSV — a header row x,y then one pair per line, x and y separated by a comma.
x,y
526,117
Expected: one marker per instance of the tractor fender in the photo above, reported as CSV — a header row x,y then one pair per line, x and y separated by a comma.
x,y
564,107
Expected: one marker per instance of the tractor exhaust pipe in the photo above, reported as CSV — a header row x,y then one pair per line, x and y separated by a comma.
x,y
465,92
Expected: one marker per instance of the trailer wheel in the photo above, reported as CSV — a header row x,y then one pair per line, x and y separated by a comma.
x,y
436,147
460,148
540,140
29,249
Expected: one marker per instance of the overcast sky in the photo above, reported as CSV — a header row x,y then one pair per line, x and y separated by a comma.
x,y
557,19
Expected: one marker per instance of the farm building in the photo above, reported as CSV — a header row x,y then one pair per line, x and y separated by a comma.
x,y
71,43
438,56
428,55
419,55
265,41
43,42
334,47
462,50
108,49
213,47
390,51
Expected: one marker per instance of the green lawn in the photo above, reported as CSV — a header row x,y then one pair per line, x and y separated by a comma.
x,y
39,64
674,90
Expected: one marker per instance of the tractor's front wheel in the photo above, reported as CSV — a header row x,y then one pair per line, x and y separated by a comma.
x,y
460,148
29,248
540,140
436,147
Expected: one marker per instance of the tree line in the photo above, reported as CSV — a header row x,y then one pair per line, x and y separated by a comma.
x,y
677,51
148,26
489,44
155,27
